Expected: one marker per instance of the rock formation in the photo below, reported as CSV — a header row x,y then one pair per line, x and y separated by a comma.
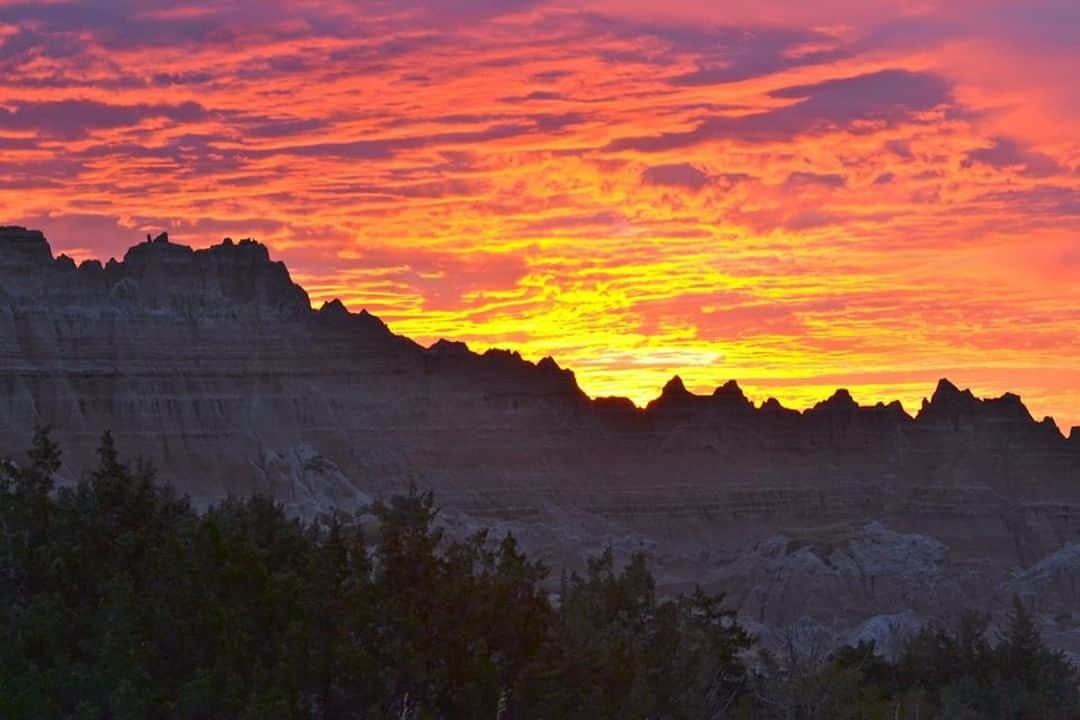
x,y
213,365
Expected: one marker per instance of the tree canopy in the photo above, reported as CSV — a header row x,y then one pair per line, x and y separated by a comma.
x,y
119,600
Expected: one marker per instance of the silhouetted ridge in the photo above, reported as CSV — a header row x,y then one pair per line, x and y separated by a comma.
x,y
951,408
674,388
673,395
727,396
548,364
156,274
23,254
240,277
213,366
948,397
502,373
26,246
449,348
731,395
333,307
333,313
840,402
1008,407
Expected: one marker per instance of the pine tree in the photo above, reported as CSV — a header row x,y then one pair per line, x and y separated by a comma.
x,y
45,457
1021,650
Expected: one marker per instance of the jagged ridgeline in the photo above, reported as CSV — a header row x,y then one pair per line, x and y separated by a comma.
x,y
213,365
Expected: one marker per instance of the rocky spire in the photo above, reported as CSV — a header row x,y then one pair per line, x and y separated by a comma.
x,y
674,388
28,245
947,401
731,394
26,261
334,308
673,394
840,399
947,393
548,364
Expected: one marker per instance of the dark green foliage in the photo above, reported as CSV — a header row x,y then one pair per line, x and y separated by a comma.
x,y
618,652
940,675
118,600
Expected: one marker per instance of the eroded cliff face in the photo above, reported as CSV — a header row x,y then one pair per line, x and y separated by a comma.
x,y
212,364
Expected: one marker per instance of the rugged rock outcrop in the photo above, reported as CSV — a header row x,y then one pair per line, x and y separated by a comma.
x,y
213,365
861,571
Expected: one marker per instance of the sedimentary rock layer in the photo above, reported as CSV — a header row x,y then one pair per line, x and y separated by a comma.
x,y
213,365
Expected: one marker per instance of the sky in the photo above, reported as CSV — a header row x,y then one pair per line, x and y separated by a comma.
x,y
800,196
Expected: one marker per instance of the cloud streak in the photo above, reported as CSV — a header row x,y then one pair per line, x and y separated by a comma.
x,y
757,192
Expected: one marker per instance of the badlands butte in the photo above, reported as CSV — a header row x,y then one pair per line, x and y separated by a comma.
x,y
826,525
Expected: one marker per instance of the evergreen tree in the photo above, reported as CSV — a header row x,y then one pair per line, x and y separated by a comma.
x,y
118,600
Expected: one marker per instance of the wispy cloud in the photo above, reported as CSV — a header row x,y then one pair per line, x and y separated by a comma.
x,y
777,192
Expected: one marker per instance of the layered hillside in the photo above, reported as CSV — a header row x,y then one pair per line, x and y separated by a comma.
x,y
213,365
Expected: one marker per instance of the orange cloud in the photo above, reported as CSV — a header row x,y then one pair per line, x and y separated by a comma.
x,y
862,194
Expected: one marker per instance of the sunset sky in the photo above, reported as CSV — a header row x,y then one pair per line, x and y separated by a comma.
x,y
797,195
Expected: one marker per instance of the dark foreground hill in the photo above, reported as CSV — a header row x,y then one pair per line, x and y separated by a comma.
x,y
840,521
